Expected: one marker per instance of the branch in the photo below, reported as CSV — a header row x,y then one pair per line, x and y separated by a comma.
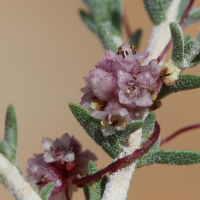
x,y
185,16
14,181
121,161
183,130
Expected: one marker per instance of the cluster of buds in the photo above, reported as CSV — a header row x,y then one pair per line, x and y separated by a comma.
x,y
61,163
118,86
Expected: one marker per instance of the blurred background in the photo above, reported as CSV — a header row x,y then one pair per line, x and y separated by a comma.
x,y
45,50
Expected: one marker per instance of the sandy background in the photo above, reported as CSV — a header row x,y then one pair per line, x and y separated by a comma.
x,y
45,50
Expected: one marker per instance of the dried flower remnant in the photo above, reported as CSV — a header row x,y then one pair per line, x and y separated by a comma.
x,y
62,162
118,85
170,73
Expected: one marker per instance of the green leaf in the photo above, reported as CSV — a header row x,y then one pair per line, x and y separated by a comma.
x,y
187,38
185,82
36,190
135,38
116,14
86,192
94,188
192,50
195,61
20,171
93,127
100,10
169,157
178,44
11,131
103,182
7,151
89,21
121,136
155,11
193,17
188,46
106,33
182,8
148,127
1,178
46,191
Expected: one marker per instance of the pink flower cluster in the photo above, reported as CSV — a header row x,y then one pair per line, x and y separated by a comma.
x,y
118,85
61,163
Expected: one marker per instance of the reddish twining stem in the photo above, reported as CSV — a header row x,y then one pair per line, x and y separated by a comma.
x,y
185,16
187,128
121,161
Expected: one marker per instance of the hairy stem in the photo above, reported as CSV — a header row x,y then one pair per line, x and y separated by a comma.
x,y
14,181
181,24
180,131
161,34
120,162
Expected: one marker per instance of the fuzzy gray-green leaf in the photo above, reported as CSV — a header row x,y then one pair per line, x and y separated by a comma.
x,y
193,17
89,21
86,192
116,14
94,188
185,82
192,50
93,127
106,35
11,131
148,127
7,151
1,178
155,11
121,136
169,157
181,9
187,38
195,61
100,10
178,44
135,38
46,191
103,182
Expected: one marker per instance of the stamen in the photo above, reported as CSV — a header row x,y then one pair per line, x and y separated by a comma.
x,y
70,147
102,124
39,183
142,86
135,77
123,55
51,148
57,154
43,178
114,122
125,123
133,49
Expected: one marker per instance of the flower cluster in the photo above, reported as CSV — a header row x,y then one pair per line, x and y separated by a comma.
x,y
118,85
61,163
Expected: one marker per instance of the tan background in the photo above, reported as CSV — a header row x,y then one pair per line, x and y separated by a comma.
x,y
45,50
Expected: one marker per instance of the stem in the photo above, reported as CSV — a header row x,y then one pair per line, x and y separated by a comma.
x,y
183,130
185,16
121,161
14,181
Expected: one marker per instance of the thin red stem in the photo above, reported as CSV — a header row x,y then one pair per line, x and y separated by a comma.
x,y
185,16
183,130
121,161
